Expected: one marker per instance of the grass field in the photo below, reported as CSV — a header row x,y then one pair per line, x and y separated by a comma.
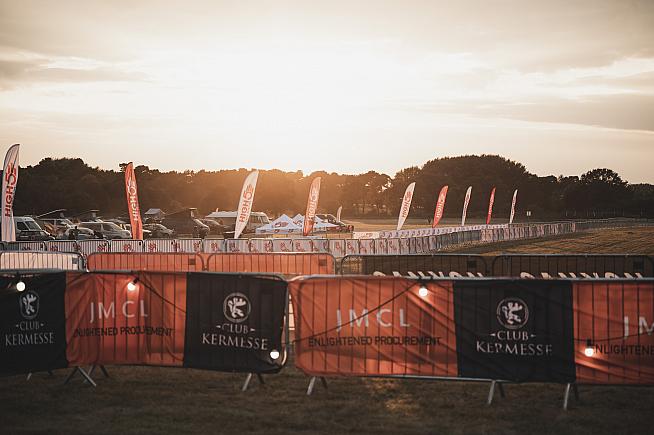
x,y
167,400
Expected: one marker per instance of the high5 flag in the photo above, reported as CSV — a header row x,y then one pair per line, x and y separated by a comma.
x,y
490,206
440,206
133,202
515,196
9,181
245,203
312,206
406,205
466,201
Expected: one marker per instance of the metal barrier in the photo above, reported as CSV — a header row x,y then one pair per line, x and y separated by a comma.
x,y
578,265
418,241
435,265
160,261
566,331
15,260
286,264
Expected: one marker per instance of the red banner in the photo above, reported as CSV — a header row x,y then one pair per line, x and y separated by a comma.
x,y
395,329
312,206
112,320
133,202
440,206
490,206
614,326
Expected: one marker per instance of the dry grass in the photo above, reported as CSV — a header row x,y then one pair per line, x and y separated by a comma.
x,y
607,241
166,400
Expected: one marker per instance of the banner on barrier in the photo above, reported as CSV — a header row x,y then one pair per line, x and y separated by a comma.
x,y
33,324
234,323
515,330
210,321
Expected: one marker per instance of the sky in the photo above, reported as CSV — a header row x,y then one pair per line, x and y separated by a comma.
x,y
561,86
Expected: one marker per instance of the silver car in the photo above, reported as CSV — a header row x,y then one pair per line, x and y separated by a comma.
x,y
108,230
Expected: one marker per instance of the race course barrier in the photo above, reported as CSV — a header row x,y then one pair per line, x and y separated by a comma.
x,y
200,320
160,262
418,241
508,265
15,260
287,264
434,265
573,266
560,331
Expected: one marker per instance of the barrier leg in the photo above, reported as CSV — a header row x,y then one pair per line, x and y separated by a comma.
x,y
566,395
70,376
104,371
491,393
312,384
87,377
249,378
84,375
29,376
247,382
90,372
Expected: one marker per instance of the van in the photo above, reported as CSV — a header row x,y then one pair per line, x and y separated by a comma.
x,y
228,218
27,230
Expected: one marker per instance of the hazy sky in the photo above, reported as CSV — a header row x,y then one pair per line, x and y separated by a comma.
x,y
561,86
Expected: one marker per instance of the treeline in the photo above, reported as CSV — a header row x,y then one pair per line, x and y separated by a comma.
x,y
73,185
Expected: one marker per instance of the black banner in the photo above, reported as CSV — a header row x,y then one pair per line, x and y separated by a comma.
x,y
573,266
234,322
32,324
442,265
515,330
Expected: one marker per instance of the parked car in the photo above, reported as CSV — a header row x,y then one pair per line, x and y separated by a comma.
x,y
107,230
185,225
27,230
77,233
147,234
157,231
215,227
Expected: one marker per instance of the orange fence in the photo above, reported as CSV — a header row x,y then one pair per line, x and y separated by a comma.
x,y
157,262
286,264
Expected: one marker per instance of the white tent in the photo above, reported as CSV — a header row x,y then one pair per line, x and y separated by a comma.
x,y
318,224
281,225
